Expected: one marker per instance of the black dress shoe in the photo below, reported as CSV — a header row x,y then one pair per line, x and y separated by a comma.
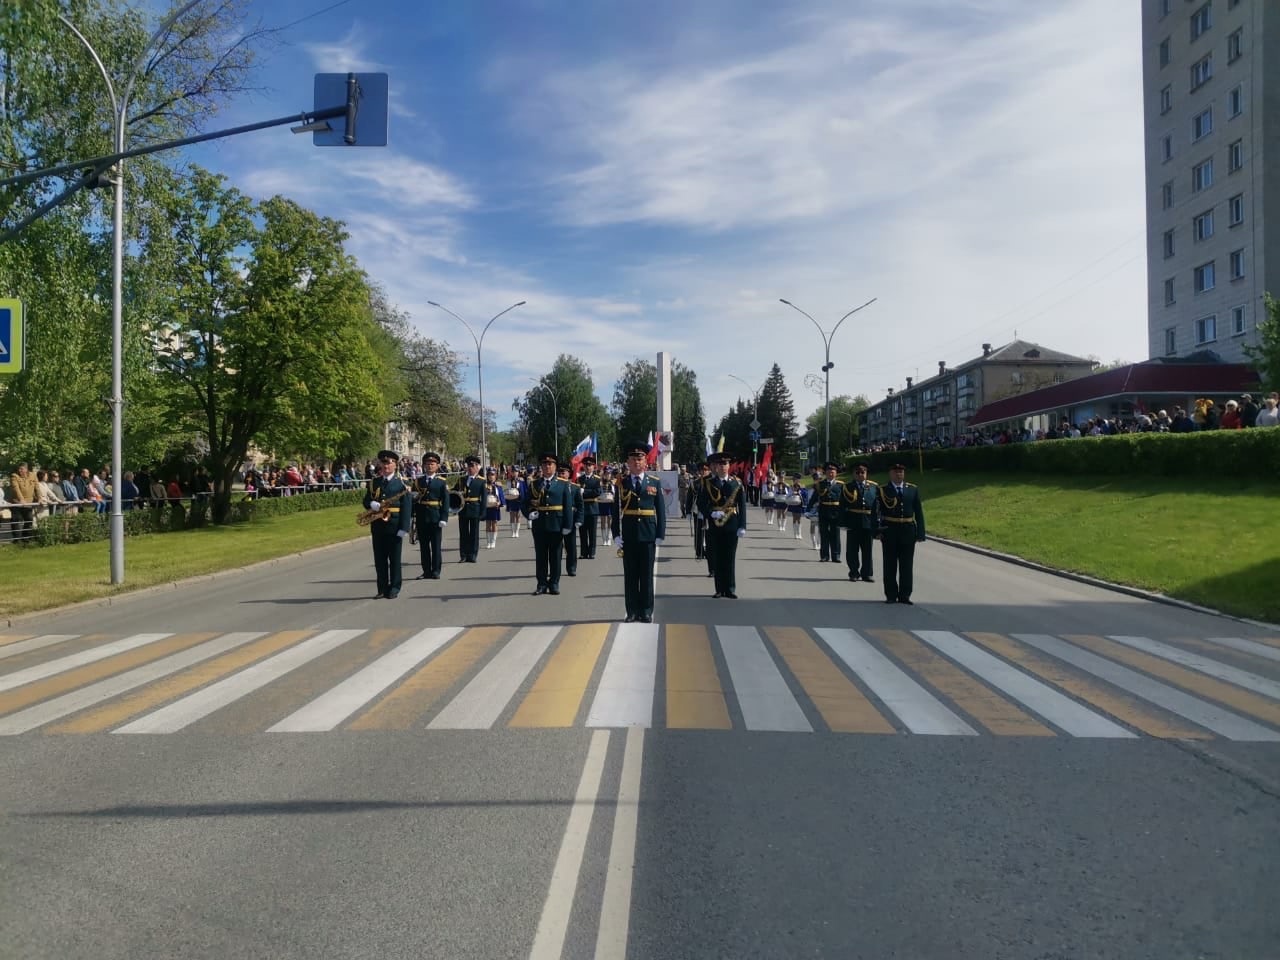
x,y
717,595
554,591
852,577
423,576
731,595
630,618
379,595
868,579
889,600
393,594
539,591
571,573
906,601
644,618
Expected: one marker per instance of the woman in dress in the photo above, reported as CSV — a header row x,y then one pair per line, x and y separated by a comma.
x,y
605,504
517,487
795,503
766,498
493,504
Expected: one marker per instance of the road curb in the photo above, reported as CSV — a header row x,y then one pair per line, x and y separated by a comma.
x,y
1104,584
130,595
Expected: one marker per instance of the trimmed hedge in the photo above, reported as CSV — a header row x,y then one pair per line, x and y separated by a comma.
x,y
1211,453
86,527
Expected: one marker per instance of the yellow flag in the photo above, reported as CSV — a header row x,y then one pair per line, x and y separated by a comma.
x,y
720,445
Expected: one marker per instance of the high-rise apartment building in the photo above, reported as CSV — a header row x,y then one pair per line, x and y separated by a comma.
x,y
1211,82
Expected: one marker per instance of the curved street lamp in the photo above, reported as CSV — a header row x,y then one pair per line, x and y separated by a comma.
x,y
484,452
755,410
827,364
555,416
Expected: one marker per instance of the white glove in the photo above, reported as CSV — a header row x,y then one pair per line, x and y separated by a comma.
x,y
577,526
374,505
533,514
401,533
717,514
618,541
658,541
444,523
742,531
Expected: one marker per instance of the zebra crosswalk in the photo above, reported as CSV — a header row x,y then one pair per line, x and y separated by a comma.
x,y
782,679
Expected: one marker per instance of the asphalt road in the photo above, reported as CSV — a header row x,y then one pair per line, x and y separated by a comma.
x,y
274,764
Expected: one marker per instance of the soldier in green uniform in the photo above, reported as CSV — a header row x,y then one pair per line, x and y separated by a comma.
x,y
639,525
862,519
700,522
901,528
579,507
473,488
592,487
830,494
722,502
432,513
391,496
548,507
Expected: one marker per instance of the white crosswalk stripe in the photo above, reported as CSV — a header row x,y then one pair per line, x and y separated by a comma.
x,y
1248,646
762,693
482,700
34,643
626,692
1185,658
71,661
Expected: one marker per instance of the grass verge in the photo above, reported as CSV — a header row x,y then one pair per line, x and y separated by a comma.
x,y
1213,544
44,578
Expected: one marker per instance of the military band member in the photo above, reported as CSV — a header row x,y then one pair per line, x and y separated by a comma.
x,y
472,487
766,499
699,521
517,487
607,504
549,509
722,501
494,499
830,508
592,487
862,520
795,503
639,525
579,508
387,492
432,511
901,528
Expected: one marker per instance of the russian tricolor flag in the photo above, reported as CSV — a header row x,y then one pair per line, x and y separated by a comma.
x,y
586,446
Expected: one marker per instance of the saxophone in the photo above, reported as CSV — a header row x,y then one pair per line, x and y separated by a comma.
x,y
384,513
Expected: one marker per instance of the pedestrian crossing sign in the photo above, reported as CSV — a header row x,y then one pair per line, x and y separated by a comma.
x,y
12,351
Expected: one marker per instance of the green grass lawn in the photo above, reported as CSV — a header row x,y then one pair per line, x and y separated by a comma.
x,y
47,577
1213,543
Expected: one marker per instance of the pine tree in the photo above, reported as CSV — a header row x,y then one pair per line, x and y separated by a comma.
x,y
777,416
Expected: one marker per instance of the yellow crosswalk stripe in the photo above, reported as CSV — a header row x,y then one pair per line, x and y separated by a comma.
x,y
1269,641
1243,701
1133,712
843,707
60,683
990,709
413,698
116,712
695,699
557,694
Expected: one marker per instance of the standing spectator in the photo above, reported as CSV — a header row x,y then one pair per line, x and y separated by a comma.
x,y
1269,415
1231,416
23,489
1248,411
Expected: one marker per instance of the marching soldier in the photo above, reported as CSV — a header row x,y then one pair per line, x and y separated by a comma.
x,y
432,512
902,527
548,507
699,521
571,538
387,492
474,490
830,493
591,490
862,519
639,525
722,502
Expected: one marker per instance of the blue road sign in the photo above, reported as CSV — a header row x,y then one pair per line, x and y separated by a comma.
x,y
12,342
755,435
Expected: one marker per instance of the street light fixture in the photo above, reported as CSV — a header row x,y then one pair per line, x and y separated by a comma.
x,y
484,452
755,410
827,365
555,417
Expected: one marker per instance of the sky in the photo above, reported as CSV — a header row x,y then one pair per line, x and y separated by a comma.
x,y
656,175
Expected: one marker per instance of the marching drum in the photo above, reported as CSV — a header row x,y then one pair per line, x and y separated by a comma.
x,y
491,500
795,499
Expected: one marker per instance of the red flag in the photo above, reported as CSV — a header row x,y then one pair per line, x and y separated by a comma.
x,y
763,470
653,451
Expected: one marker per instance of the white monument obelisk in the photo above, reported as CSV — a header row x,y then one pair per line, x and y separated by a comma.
x,y
664,407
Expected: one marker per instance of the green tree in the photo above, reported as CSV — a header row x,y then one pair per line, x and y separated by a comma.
x,y
777,416
735,428
635,402
1266,353
687,420
844,426
575,402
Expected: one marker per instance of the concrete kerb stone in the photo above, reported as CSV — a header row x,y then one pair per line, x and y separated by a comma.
x,y
171,585
1104,584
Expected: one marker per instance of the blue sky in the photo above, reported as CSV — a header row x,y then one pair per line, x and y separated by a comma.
x,y
657,175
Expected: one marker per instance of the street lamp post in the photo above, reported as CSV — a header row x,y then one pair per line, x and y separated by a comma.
x,y
555,417
119,118
484,452
827,364
755,411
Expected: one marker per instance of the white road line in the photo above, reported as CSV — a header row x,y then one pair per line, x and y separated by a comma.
x,y
96,693
1185,658
1208,715
1058,709
203,702
71,661
34,643
918,709
482,700
1248,646
548,943
762,693
615,910
334,706
625,695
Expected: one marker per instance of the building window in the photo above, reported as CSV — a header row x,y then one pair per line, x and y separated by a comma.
x,y
1235,156
1235,210
1167,244
1234,41
1203,226
1204,277
1166,148
1206,330
1166,99
1201,21
1202,176
1201,71
1170,341
1202,124
1164,52
1168,293
1059,377
1237,321
1237,264
1166,195
1235,101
